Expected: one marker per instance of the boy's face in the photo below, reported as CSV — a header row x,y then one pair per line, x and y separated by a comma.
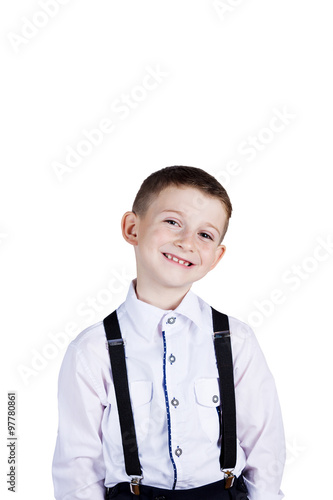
x,y
177,240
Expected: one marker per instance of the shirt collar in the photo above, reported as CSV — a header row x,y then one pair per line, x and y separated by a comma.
x,y
148,316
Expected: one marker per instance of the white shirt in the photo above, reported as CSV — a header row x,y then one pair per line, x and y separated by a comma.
x,y
89,454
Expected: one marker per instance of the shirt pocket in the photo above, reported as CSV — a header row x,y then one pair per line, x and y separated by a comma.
x,y
207,393
141,392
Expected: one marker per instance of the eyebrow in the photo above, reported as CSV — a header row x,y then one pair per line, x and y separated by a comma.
x,y
182,213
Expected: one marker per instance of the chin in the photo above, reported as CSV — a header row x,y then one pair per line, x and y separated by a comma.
x,y
174,284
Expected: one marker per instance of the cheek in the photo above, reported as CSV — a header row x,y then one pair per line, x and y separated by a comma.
x,y
154,239
161,236
208,255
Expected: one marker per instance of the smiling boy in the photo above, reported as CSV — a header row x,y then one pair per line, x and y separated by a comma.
x,y
177,224
176,242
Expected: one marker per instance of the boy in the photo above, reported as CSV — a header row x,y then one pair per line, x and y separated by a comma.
x,y
183,427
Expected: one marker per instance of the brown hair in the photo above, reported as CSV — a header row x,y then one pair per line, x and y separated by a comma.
x,y
180,176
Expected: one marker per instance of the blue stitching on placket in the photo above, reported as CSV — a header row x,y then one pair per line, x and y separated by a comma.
x,y
168,411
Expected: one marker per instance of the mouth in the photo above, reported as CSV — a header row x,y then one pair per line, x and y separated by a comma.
x,y
182,262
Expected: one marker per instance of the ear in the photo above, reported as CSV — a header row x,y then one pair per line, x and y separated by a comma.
x,y
220,251
129,227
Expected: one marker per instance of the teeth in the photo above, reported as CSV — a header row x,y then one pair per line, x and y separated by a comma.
x,y
177,260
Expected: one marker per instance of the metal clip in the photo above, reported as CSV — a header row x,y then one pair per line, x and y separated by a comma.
x,y
229,479
135,485
115,342
221,334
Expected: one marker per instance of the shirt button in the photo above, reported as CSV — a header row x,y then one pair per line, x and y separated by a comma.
x,y
172,358
171,320
175,402
178,451
215,398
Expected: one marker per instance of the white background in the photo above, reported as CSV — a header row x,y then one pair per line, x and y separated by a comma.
x,y
226,72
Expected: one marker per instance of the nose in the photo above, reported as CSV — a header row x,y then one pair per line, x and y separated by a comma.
x,y
185,240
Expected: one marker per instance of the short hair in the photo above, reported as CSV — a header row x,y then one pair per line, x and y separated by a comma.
x,y
180,175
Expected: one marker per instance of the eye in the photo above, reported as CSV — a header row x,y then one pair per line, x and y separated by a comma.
x,y
206,236
171,222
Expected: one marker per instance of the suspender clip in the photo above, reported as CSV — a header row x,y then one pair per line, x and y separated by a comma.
x,y
115,342
135,485
222,334
229,478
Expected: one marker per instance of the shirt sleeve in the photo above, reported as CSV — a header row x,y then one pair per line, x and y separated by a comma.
x,y
78,467
259,421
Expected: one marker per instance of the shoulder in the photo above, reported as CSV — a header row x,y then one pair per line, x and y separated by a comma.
x,y
85,365
238,329
89,336
243,339
89,347
242,336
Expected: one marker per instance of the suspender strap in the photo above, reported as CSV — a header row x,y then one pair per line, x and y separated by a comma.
x,y
120,380
224,361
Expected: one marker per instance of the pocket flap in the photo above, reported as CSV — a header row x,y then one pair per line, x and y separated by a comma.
x,y
207,392
141,392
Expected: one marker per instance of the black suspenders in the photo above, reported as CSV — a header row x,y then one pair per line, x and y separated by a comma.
x,y
120,381
224,362
225,368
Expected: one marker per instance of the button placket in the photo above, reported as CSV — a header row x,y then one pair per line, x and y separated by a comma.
x,y
174,373
171,321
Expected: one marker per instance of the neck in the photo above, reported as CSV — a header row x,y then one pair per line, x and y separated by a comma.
x,y
159,296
